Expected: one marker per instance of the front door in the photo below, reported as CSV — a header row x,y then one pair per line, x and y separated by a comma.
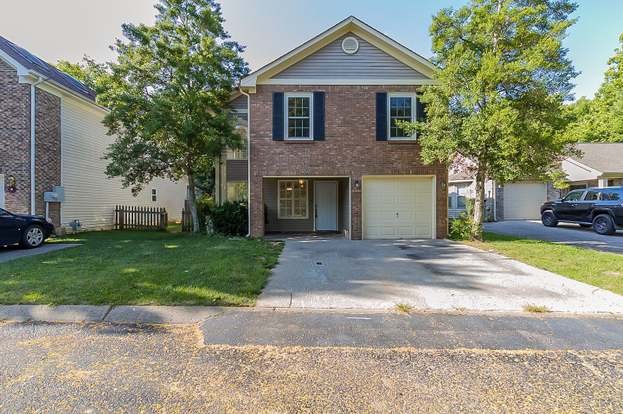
x,y
325,202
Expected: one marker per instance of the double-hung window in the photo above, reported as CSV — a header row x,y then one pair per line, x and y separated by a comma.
x,y
293,199
298,116
401,108
457,196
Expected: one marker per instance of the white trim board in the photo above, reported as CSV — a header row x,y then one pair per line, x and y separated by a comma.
x,y
347,81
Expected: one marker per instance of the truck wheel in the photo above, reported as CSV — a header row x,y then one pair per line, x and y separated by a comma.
x,y
603,225
549,219
32,237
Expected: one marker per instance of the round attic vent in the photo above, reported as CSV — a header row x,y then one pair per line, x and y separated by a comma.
x,y
350,45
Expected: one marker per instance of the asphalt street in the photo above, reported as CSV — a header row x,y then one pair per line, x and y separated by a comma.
x,y
120,368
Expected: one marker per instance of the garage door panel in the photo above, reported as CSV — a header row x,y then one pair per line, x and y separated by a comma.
x,y
398,207
522,201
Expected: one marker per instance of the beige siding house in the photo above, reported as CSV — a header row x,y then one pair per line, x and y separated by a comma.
x,y
62,153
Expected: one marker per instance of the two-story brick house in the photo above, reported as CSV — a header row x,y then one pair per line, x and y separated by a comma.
x,y
326,153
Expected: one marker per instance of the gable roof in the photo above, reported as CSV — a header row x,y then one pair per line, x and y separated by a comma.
x,y
32,63
349,25
604,157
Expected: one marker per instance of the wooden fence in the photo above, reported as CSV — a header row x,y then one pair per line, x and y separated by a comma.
x,y
140,218
187,220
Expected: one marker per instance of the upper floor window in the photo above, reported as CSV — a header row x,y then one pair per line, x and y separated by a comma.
x,y
299,116
401,108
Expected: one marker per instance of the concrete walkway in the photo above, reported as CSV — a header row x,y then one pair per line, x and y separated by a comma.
x,y
565,233
106,313
8,253
424,274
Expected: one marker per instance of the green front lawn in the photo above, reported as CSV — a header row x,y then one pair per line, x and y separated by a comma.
x,y
604,270
134,268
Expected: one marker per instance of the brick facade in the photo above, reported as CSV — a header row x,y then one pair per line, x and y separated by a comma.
x,y
350,149
15,141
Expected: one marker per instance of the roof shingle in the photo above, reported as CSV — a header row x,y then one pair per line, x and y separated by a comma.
x,y
604,157
32,62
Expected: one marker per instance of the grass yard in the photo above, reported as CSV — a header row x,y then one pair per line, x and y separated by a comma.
x,y
601,269
142,268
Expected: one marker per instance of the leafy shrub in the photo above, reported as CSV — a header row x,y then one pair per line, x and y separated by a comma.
x,y
205,204
461,227
230,218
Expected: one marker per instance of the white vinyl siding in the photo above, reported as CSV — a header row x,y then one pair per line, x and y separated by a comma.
x,y
398,207
331,62
89,195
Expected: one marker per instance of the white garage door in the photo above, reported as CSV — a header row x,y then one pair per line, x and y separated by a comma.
x,y
523,201
398,207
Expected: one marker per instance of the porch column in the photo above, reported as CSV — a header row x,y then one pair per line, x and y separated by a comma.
x,y
602,182
256,206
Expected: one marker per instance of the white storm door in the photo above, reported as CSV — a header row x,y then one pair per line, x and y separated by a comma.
x,y
325,201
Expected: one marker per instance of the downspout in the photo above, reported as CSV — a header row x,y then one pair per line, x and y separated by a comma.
x,y
33,147
248,160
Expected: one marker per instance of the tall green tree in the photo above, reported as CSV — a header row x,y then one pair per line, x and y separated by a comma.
x,y
92,74
502,77
601,119
168,95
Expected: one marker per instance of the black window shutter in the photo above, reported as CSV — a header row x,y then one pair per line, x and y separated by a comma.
x,y
319,116
278,113
381,116
420,113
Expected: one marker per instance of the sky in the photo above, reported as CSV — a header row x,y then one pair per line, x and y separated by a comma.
x,y
69,29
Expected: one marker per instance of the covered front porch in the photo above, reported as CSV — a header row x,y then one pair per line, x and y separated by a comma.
x,y
306,205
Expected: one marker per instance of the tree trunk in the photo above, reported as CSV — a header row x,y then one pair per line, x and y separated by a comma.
x,y
192,196
479,206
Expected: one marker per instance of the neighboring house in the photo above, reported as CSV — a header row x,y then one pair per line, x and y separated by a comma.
x,y
233,168
53,141
599,165
325,151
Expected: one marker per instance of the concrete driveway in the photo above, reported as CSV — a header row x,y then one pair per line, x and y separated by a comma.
x,y
9,253
425,274
565,233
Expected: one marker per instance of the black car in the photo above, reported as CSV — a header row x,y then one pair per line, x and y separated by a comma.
x,y
23,229
601,208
